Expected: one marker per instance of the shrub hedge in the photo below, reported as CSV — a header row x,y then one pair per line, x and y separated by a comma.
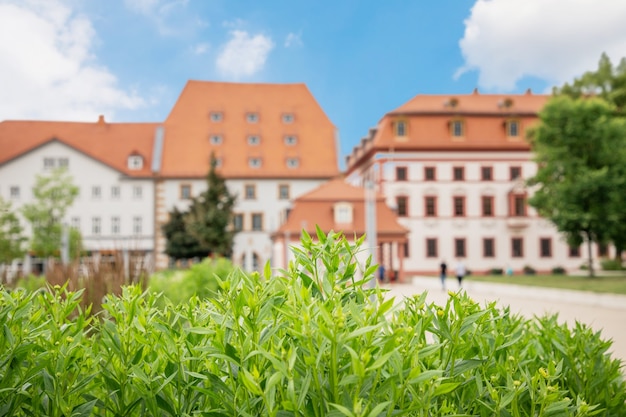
x,y
314,340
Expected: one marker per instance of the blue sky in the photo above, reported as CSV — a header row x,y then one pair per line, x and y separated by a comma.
x,y
129,59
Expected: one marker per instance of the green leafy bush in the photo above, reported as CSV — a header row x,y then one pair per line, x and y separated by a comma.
x,y
611,264
314,340
200,280
529,270
496,271
558,270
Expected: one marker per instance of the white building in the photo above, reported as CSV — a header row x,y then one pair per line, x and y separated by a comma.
x,y
454,169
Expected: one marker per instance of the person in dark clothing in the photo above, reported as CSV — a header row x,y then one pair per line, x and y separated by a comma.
x,y
443,272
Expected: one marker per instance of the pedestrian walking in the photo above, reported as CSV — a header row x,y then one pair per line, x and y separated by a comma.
x,y
460,272
443,273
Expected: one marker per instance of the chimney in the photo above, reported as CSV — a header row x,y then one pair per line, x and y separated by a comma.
x,y
101,119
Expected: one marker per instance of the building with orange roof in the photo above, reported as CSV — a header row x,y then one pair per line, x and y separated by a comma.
x,y
111,163
453,168
340,207
272,142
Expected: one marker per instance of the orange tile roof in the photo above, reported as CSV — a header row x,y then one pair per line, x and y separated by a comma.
x,y
109,143
316,208
188,127
428,118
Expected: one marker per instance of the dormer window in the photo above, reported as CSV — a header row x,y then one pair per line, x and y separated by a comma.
x,y
135,162
216,116
216,139
293,162
252,117
400,128
512,128
254,140
288,118
343,213
254,162
457,128
291,140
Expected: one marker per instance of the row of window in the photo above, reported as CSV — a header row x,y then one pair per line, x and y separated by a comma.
x,y
134,162
517,206
96,192
255,224
489,248
458,129
253,140
249,192
251,117
257,162
458,173
115,225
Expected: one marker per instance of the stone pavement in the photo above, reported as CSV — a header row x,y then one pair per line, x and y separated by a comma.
x,y
602,312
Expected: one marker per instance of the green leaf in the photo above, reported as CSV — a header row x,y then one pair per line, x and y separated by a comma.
x,y
446,387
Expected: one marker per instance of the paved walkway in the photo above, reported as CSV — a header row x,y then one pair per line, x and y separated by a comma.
x,y
603,312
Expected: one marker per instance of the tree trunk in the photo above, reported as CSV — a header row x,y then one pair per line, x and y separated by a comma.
x,y
589,254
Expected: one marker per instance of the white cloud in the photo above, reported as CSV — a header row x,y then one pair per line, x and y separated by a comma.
x,y
47,66
165,14
200,48
293,40
555,40
243,54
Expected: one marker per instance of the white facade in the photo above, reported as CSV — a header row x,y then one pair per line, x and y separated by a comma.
x,y
106,219
499,238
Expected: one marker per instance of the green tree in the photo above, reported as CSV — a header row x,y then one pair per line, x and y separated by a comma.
x,y
210,214
54,194
180,244
579,180
11,237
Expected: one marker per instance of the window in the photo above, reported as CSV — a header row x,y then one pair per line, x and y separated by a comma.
x,y
400,173
429,174
137,225
96,191
291,140
215,139
517,205
115,191
486,173
95,225
252,117
406,252
48,163
431,248
254,162
603,250
254,140
512,128
75,223
115,225
459,206
574,251
343,213
402,204
14,191
256,262
257,222
135,162
216,116
457,128
515,173
430,204
185,191
517,247
288,117
487,204
283,191
458,173
218,162
459,248
137,192
400,128
64,162
250,191
545,247
489,247
238,222
293,162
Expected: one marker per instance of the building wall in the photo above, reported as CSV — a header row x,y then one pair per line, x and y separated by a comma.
x,y
87,173
473,226
267,203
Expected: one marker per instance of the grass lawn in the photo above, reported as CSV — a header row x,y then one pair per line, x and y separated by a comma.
x,y
604,284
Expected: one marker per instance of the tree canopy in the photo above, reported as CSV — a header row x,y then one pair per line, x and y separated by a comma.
x,y
54,194
11,237
579,147
205,228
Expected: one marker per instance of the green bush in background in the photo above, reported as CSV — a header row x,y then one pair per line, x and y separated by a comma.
x,y
611,264
314,340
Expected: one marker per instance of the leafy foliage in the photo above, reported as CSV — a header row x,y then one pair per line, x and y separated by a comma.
x,y
309,341
11,237
180,244
54,194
